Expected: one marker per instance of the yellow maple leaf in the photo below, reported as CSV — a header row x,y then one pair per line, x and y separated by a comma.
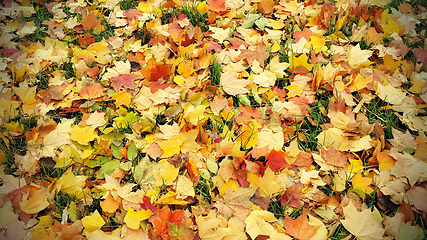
x,y
361,184
266,137
258,223
189,144
184,187
317,42
71,184
171,147
300,61
83,134
202,7
294,90
122,98
249,134
194,114
355,166
93,222
266,184
36,203
170,198
166,175
133,219
14,127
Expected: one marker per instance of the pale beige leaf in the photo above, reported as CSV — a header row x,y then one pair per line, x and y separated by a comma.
x,y
358,56
232,85
362,224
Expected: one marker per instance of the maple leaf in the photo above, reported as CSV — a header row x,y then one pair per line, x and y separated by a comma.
x,y
276,160
299,228
89,21
155,70
292,196
36,203
124,80
266,184
333,157
358,56
92,91
133,219
122,98
165,217
217,5
258,223
234,200
83,134
93,222
362,224
232,84
86,40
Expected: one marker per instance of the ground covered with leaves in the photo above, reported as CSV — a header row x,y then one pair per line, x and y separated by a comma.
x,y
219,119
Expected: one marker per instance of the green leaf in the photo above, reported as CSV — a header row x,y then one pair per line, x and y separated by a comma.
x,y
73,212
212,166
108,168
182,232
256,97
116,151
143,172
126,166
244,100
250,20
261,23
132,151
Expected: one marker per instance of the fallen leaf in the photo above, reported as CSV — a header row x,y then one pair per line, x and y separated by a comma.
x,y
361,224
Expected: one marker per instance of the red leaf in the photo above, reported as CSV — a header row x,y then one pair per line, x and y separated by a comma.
x,y
293,194
306,33
124,80
276,160
212,45
304,160
146,205
248,114
236,42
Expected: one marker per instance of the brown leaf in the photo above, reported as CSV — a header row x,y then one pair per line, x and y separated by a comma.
x,y
333,157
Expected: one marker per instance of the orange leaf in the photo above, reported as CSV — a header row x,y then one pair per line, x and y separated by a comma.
x,y
92,91
155,70
299,228
266,7
89,21
164,217
86,40
217,5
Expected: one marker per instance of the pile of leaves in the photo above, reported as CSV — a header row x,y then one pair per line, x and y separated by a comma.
x,y
218,119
